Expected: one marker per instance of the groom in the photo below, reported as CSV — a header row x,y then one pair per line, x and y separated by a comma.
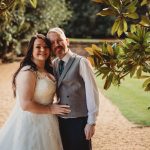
x,y
76,88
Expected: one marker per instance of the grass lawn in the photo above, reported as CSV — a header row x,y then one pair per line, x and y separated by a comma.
x,y
131,99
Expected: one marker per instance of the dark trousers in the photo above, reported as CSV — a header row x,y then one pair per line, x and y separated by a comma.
x,y
72,134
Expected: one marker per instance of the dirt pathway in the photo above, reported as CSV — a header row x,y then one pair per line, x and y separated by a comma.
x,y
113,131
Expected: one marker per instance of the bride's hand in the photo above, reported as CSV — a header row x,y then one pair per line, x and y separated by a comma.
x,y
59,109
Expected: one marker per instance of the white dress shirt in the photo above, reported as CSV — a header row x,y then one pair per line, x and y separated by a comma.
x,y
91,89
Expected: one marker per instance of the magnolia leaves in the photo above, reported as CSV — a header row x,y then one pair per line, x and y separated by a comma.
x,y
146,84
6,5
123,11
144,2
33,3
130,56
119,26
104,60
107,12
145,21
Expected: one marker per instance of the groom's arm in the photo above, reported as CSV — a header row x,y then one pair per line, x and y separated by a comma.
x,y
92,96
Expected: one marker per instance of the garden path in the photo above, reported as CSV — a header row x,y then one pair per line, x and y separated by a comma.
x,y
113,131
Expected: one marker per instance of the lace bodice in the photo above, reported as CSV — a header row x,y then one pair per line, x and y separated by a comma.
x,y
45,87
44,90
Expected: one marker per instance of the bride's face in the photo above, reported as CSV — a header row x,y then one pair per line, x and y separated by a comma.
x,y
40,50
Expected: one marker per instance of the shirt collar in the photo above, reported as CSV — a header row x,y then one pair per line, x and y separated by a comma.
x,y
67,56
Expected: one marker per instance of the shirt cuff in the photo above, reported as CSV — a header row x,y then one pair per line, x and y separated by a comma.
x,y
91,119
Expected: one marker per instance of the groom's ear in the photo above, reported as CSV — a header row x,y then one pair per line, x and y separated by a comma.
x,y
67,40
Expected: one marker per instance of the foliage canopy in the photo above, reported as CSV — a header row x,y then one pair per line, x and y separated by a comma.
x,y
21,19
132,54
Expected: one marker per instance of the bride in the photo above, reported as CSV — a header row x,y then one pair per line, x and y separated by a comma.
x,y
33,124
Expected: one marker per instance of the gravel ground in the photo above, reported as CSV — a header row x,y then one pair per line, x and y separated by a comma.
x,y
113,131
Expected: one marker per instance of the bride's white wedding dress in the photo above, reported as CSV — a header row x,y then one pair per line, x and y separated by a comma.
x,y
29,131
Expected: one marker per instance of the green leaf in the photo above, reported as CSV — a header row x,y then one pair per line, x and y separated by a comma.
x,y
104,76
120,29
132,36
95,47
115,26
106,12
147,36
145,21
104,47
132,72
33,3
96,50
133,15
105,71
110,50
108,81
89,50
131,9
147,88
146,82
97,53
144,2
128,40
125,26
139,72
133,28
132,6
140,33
116,5
116,80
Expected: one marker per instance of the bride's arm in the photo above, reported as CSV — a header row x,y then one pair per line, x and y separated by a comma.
x,y
25,86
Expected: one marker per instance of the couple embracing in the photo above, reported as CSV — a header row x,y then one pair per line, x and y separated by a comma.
x,y
39,123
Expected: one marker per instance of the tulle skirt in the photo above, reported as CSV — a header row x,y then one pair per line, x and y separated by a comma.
x,y
28,131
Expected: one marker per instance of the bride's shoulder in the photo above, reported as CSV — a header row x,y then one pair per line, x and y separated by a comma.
x,y
27,68
26,76
27,71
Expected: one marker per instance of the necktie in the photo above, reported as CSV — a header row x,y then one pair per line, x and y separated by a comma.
x,y
61,66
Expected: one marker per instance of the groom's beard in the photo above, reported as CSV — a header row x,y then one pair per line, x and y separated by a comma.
x,y
58,49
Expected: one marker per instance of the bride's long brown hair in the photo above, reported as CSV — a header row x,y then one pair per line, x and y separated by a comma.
x,y
28,59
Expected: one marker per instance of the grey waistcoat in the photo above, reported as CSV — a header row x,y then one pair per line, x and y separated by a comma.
x,y
71,87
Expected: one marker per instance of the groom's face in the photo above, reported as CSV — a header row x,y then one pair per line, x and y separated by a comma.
x,y
59,44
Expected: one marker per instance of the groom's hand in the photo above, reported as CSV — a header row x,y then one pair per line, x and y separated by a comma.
x,y
89,131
